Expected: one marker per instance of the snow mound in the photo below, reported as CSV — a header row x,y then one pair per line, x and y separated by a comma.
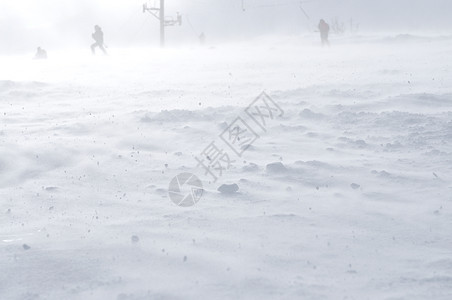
x,y
228,188
276,167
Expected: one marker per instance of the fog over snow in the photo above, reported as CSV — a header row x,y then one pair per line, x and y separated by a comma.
x,y
62,24
268,158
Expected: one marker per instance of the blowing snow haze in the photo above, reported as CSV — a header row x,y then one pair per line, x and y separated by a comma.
x,y
268,151
27,23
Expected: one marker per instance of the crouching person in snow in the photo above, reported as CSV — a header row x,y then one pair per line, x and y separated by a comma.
x,y
98,37
40,54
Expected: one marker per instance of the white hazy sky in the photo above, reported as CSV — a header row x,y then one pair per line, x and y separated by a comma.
x,y
24,24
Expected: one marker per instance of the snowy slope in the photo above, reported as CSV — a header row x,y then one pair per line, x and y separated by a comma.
x,y
361,210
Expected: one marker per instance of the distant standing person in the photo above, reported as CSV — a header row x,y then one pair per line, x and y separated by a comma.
x,y
324,29
98,37
41,54
202,39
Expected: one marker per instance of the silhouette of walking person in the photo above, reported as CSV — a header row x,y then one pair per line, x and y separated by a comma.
x,y
324,29
98,37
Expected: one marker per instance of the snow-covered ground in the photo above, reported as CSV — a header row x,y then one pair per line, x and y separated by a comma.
x,y
361,207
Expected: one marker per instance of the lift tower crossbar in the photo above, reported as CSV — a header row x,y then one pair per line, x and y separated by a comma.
x,y
159,14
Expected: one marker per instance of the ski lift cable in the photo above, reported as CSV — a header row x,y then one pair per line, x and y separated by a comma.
x,y
303,10
278,4
187,17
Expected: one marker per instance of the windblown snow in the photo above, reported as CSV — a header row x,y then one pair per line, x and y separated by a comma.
x,y
346,196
